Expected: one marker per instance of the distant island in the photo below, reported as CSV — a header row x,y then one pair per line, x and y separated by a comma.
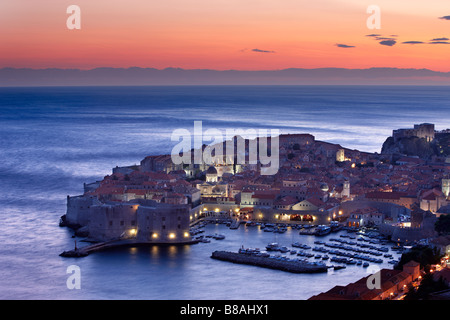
x,y
136,76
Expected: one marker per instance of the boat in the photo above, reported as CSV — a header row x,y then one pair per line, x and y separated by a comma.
x,y
284,249
273,247
297,245
339,267
325,257
365,264
218,236
322,230
280,230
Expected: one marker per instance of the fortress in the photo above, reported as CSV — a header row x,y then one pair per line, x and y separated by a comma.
x,y
424,130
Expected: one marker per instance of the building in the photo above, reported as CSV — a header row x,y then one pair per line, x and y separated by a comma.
x,y
432,200
162,223
340,155
446,187
79,208
398,198
366,217
442,243
391,283
111,221
211,174
346,189
424,130
143,220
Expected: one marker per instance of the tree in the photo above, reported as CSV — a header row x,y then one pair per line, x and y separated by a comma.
x,y
442,225
427,286
426,256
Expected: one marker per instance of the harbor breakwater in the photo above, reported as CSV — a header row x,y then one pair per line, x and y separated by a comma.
x,y
294,266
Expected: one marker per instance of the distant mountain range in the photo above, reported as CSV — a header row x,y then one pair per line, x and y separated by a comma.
x,y
136,76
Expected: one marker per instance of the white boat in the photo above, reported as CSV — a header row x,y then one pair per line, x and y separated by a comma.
x,y
219,236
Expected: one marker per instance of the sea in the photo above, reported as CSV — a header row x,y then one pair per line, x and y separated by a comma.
x,y
54,139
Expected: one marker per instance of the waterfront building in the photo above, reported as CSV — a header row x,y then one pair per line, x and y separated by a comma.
x,y
79,208
163,223
143,220
111,221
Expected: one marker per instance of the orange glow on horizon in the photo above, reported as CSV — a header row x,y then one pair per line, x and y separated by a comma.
x,y
223,34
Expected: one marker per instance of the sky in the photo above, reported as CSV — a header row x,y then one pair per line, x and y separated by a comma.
x,y
225,34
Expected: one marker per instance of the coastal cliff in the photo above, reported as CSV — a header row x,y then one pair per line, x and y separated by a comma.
x,y
420,147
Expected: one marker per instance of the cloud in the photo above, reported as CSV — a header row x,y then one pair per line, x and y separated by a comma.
x,y
440,39
341,45
389,43
383,38
445,18
385,41
413,42
262,51
439,42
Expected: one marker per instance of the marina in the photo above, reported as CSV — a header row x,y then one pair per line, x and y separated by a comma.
x,y
348,247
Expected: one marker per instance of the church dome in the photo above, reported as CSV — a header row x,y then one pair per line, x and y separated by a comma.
x,y
211,170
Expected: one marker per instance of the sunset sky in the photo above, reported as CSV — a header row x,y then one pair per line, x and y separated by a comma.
x,y
225,34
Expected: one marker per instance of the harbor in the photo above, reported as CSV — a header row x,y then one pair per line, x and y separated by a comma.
x,y
330,248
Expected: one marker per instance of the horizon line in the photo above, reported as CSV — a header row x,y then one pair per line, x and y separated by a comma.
x,y
209,69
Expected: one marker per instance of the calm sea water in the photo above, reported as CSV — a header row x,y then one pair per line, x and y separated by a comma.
x,y
54,139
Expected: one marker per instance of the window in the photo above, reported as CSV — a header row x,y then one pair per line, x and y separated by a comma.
x,y
110,223
122,223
